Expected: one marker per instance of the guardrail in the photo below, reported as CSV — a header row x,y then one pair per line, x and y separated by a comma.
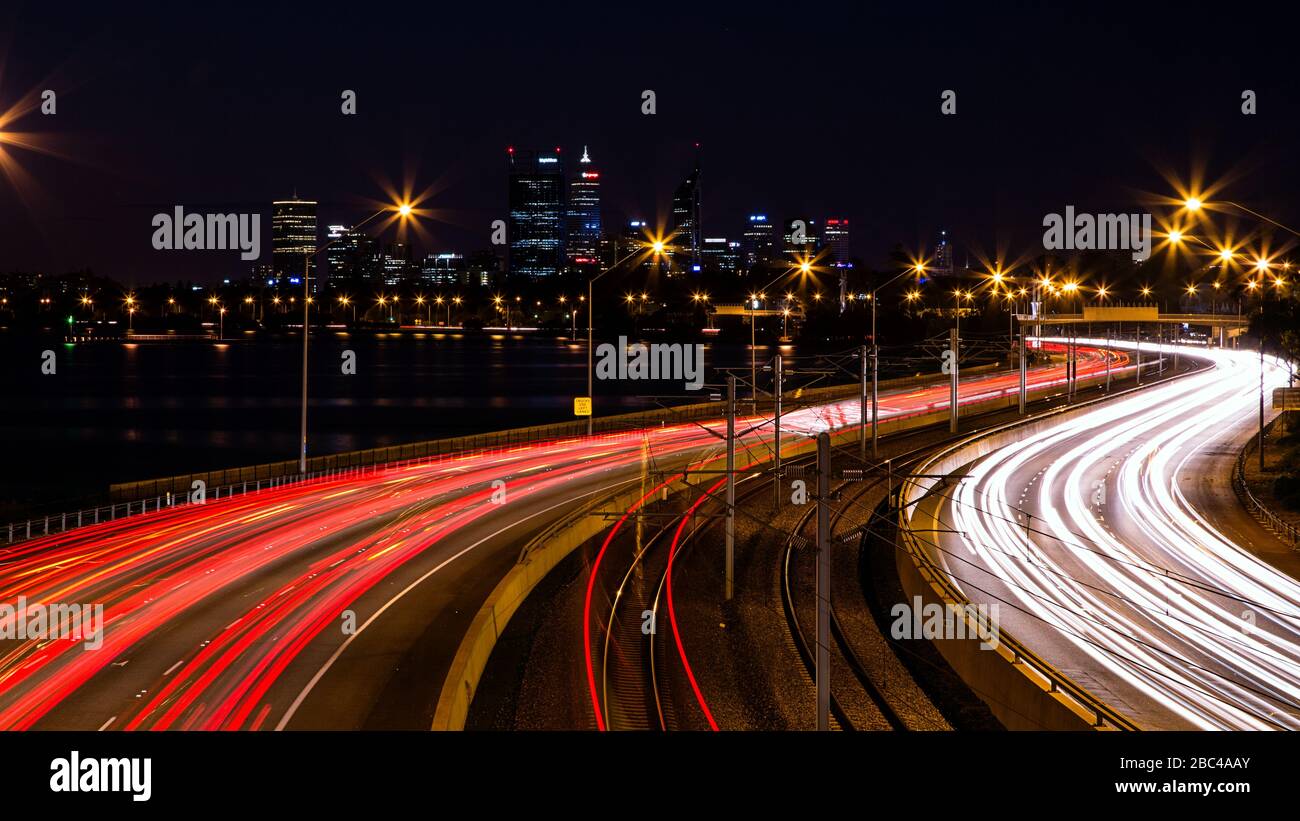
x,y
146,496
70,520
1281,528
133,498
155,494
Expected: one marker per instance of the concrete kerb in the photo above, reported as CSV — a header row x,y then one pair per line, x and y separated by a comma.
x,y
551,546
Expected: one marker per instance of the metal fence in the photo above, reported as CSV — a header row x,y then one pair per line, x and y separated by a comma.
x,y
150,495
1283,529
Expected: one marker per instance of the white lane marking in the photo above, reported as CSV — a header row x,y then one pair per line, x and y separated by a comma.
x,y
104,726
297,702
172,669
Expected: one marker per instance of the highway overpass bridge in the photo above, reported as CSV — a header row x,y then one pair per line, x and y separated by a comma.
x,y
1227,325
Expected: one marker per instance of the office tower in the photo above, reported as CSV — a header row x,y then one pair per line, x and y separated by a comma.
x,y
800,239
293,240
835,239
583,241
634,238
537,214
635,234
686,219
394,264
483,269
338,256
350,258
444,269
758,243
263,275
943,255
720,255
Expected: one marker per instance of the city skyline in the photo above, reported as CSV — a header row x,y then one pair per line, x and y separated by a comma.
x,y
861,142
385,382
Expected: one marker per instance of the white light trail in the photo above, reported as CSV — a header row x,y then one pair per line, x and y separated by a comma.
x,y
1139,590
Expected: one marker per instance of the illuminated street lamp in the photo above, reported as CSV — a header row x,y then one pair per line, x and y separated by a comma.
x,y
404,210
657,248
918,269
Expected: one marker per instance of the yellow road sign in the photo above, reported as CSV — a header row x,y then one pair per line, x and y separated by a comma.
x,y
582,406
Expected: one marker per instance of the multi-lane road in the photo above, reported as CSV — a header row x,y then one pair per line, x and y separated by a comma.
x,y
335,603
1088,537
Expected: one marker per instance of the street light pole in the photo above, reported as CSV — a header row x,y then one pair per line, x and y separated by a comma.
x,y
823,591
753,365
862,406
955,340
875,383
730,568
1024,369
776,448
404,210
306,316
917,269
591,309
1261,402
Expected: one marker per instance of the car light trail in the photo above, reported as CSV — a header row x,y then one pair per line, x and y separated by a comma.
x,y
306,552
1117,575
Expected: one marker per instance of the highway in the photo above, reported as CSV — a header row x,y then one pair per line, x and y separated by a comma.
x,y
1088,538
232,614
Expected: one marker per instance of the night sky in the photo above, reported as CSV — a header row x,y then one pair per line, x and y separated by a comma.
x,y
800,109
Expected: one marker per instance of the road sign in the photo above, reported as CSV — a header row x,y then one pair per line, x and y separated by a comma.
x,y
582,406
1286,399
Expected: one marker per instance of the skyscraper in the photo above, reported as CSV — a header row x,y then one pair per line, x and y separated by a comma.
x,y
943,255
800,238
293,240
444,269
350,258
396,265
686,217
720,256
758,243
583,241
835,239
537,214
